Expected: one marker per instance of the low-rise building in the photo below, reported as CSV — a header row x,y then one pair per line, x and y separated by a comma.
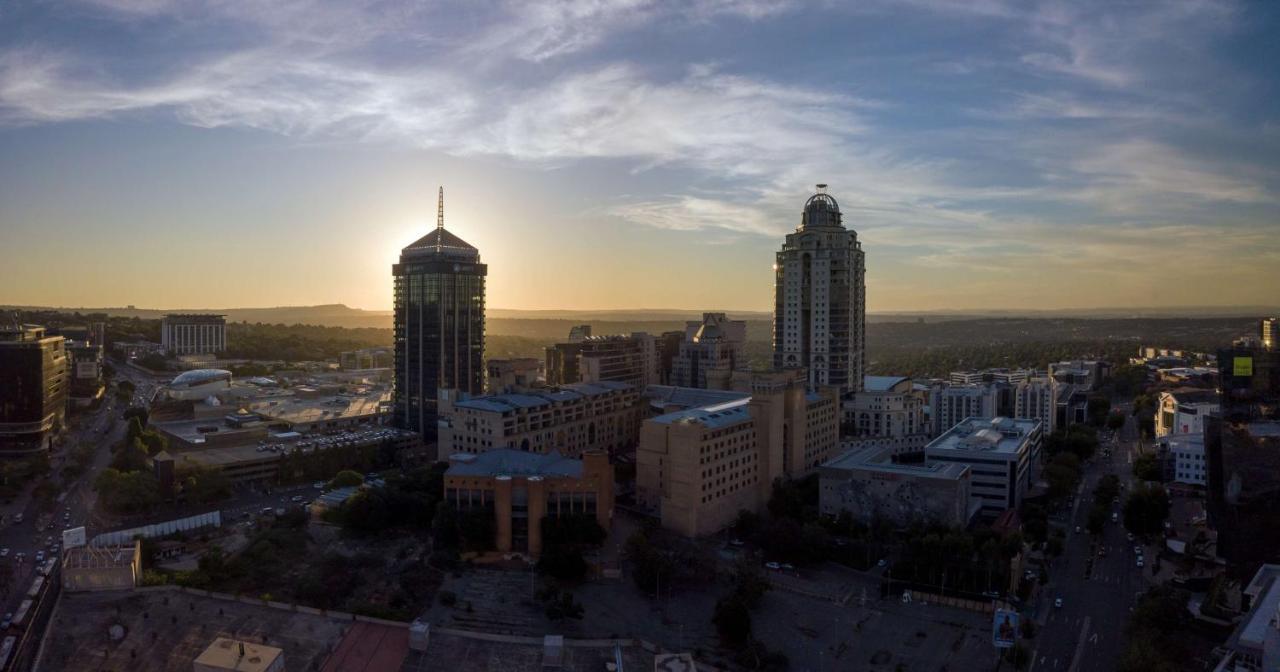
x,y
568,420
1002,453
698,467
523,488
870,486
949,404
1089,374
1183,411
1254,646
107,568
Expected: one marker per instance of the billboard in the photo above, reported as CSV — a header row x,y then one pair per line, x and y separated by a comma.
x,y
1004,628
1242,367
73,537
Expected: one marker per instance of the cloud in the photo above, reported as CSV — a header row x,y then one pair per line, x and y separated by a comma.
x,y
1071,128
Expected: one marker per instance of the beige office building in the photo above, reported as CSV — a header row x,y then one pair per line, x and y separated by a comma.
x,y
521,489
700,466
567,420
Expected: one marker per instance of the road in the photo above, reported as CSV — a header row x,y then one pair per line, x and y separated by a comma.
x,y
21,541
1087,631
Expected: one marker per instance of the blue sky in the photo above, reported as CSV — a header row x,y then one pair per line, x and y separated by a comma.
x,y
631,154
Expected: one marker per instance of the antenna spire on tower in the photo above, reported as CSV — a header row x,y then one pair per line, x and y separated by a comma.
x,y
440,210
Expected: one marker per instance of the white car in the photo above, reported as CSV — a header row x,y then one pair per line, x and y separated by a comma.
x,y
1140,563
4,552
1057,603
772,565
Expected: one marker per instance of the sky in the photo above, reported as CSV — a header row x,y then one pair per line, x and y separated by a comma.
x,y
603,154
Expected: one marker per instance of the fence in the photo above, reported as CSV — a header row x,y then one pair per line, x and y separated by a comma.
x,y
188,524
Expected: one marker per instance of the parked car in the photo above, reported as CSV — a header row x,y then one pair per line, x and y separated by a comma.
x,y
1057,603
4,552
772,565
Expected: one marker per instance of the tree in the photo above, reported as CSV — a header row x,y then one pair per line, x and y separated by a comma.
x,y
346,479
136,412
1146,509
1115,421
1098,407
131,457
732,619
1062,473
201,485
1147,468
127,492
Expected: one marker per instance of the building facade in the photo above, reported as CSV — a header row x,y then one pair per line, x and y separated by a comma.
x,y
1185,456
568,420
34,368
1183,411
1003,455
711,348
522,489
698,467
193,334
869,486
1033,399
631,359
1011,376
439,325
819,320
950,404
888,407
511,375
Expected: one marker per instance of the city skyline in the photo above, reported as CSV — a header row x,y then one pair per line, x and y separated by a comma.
x,y
1044,157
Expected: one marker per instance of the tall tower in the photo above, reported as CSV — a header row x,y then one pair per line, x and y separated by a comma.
x,y
439,325
820,296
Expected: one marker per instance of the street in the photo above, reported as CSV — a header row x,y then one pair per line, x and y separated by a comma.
x,y
1087,631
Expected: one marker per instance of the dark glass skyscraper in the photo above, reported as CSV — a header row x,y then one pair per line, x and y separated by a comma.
x,y
439,325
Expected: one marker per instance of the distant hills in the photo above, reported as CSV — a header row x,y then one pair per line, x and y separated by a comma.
x,y
546,323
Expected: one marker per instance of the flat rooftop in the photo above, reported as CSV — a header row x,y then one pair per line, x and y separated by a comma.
x,y
165,631
232,654
502,403
298,410
880,460
712,417
1004,436
665,396
508,462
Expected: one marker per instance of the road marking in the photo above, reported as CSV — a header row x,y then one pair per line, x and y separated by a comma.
x,y
1084,632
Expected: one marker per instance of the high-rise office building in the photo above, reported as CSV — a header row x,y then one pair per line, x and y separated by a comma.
x,y
193,334
1269,332
819,319
713,344
631,359
439,325
33,394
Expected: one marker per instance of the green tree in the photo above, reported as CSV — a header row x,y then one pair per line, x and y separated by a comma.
x,y
127,492
1115,421
1146,509
130,457
203,486
1062,473
1098,408
346,479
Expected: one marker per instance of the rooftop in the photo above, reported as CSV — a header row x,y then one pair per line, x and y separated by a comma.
x,y
880,459
198,376
442,242
712,417
233,654
502,403
882,383
508,462
663,396
1252,632
997,435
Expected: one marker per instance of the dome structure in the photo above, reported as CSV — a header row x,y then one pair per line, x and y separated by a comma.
x,y
821,211
199,384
